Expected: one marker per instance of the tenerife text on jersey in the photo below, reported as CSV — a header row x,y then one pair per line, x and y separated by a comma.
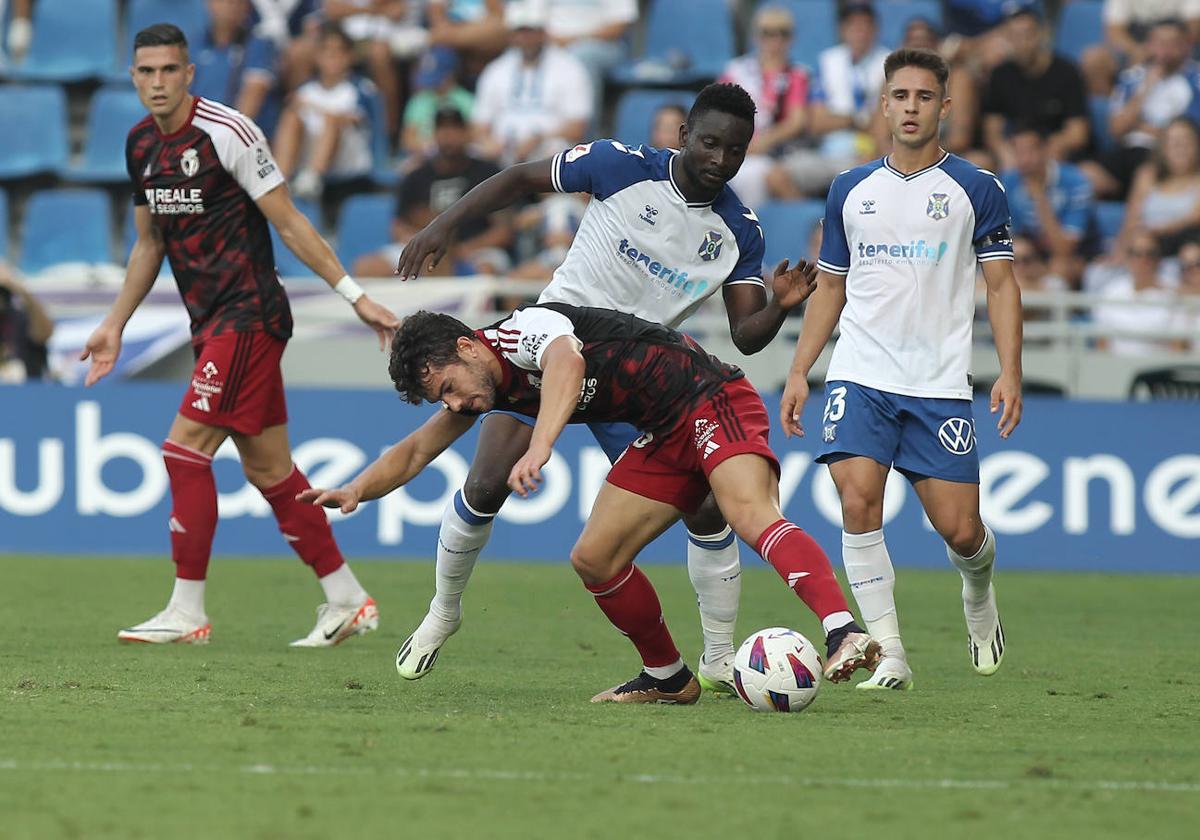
x,y
672,279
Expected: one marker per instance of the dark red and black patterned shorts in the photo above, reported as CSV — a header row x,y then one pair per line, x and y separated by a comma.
x,y
237,383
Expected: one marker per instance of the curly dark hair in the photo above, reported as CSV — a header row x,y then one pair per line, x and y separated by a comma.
x,y
425,340
726,98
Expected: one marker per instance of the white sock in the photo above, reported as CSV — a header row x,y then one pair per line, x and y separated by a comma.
x,y
836,620
872,582
976,574
664,672
716,574
463,535
342,587
188,597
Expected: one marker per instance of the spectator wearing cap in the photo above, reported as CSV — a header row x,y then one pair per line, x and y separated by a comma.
x,y
534,99
438,182
233,64
845,100
594,32
1148,96
1127,23
1050,201
782,93
25,330
437,87
1034,88
326,128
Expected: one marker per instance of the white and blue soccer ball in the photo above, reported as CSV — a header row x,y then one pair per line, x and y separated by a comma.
x,y
777,670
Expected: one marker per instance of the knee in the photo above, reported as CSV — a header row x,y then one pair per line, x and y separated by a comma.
x,y
861,511
965,539
594,567
487,492
707,520
265,476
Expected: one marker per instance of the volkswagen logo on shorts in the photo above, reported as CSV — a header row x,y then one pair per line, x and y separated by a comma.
x,y
957,435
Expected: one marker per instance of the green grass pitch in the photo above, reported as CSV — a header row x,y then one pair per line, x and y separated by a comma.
x,y
1090,729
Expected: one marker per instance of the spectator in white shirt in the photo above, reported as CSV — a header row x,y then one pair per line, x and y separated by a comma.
x,y
1127,23
593,31
1138,300
534,99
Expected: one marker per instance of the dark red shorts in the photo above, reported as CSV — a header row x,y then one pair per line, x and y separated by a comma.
x,y
675,469
237,383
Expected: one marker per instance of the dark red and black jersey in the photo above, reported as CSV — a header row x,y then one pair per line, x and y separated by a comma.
x,y
635,371
200,184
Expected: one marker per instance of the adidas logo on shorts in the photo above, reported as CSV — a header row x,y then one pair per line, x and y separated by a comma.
x,y
710,447
202,404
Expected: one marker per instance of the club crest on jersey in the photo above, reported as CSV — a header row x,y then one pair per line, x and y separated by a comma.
x,y
710,246
190,162
829,433
939,206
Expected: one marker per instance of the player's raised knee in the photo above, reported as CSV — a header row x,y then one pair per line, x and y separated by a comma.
x,y
486,492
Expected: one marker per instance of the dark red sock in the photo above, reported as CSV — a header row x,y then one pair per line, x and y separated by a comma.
x,y
631,604
304,527
193,509
805,567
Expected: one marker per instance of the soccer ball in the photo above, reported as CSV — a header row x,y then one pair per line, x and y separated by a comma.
x,y
777,670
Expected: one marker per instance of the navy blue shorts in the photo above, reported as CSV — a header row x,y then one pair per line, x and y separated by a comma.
x,y
612,437
920,436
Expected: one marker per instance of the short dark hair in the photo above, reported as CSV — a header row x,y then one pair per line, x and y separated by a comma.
x,y
330,29
1027,126
1173,22
925,59
424,341
724,97
160,35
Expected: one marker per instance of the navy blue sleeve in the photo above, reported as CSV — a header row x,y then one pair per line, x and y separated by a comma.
x,y
835,250
992,236
751,250
602,167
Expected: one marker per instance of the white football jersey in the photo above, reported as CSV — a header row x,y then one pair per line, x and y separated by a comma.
x,y
908,246
642,248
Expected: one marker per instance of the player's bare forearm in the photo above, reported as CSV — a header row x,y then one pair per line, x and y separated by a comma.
x,y
755,331
300,237
820,318
1004,314
405,460
501,190
562,384
140,274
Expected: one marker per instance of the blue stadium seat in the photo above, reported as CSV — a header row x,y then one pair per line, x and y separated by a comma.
x,y
1109,216
787,226
894,16
34,137
635,112
1079,27
72,40
3,224
188,15
816,28
63,226
287,263
112,113
686,41
364,225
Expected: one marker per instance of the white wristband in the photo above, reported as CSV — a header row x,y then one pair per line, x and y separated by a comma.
x,y
347,288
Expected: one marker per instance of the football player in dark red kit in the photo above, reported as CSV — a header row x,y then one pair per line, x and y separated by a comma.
x,y
703,425
205,186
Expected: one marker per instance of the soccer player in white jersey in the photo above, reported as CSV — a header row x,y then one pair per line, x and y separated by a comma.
x,y
662,233
903,237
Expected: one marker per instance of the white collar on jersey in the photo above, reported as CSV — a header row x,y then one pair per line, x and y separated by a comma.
x,y
674,186
888,166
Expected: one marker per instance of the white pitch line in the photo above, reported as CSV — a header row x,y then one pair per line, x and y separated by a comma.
x,y
485,774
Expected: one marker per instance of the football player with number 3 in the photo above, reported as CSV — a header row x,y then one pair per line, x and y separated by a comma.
x,y
902,239
662,233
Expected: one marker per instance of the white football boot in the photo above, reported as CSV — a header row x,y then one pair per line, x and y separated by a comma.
x,y
169,626
717,677
420,650
986,647
335,624
892,674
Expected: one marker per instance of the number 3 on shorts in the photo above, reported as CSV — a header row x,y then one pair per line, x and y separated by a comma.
x,y
835,406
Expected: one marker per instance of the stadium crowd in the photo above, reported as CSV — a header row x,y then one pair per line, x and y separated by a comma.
x,y
1087,110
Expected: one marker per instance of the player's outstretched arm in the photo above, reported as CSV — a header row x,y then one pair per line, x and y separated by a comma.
x,y
753,321
302,239
104,344
824,309
562,382
1004,313
396,467
426,249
